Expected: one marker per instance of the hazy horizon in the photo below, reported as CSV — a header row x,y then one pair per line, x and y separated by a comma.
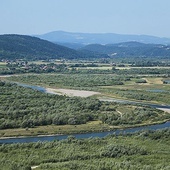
x,y
98,33
84,33
132,17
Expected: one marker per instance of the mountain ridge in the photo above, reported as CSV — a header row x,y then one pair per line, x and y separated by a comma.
x,y
14,46
100,38
130,49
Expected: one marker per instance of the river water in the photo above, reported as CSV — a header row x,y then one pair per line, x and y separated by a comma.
x,y
88,135
42,89
82,136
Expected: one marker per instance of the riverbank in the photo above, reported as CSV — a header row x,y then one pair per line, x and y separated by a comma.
x,y
100,96
149,148
94,126
71,93
83,135
165,110
52,130
68,91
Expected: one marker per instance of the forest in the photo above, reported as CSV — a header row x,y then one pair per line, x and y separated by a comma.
x,y
130,49
26,108
146,150
31,48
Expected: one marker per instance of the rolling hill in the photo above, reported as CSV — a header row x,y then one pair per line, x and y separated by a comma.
x,y
32,48
130,49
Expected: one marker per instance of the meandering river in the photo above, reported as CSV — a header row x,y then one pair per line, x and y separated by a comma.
x,y
82,136
88,135
45,90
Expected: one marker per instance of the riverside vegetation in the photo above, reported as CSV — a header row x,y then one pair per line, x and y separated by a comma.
x,y
28,112
126,86
146,150
27,108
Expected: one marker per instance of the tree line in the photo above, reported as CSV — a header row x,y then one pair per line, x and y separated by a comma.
x,y
24,107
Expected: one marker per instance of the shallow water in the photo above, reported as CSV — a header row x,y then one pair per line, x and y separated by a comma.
x,y
156,90
82,136
88,135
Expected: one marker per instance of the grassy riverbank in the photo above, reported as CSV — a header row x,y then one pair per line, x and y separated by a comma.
x,y
95,126
55,129
144,150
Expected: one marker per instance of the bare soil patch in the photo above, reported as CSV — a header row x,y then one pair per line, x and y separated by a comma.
x,y
70,92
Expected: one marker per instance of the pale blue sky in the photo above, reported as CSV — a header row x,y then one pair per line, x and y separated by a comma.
x,y
150,17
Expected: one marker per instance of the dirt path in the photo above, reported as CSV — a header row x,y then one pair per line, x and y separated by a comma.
x,y
119,113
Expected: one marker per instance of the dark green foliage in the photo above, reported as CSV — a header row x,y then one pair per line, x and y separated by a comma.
x,y
128,152
132,117
74,80
31,48
21,66
130,49
113,151
145,71
24,107
141,81
156,135
18,67
144,95
96,82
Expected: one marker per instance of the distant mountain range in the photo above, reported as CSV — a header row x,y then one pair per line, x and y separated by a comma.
x,y
130,49
33,48
73,39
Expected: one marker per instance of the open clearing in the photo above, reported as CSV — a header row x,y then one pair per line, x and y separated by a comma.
x,y
69,92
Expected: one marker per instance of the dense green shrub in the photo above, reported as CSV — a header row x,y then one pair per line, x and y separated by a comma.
x,y
142,150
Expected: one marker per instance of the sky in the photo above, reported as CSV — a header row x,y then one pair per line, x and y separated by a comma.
x,y
141,17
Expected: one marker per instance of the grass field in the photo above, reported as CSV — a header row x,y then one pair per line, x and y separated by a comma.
x,y
98,68
2,64
108,67
59,129
150,91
